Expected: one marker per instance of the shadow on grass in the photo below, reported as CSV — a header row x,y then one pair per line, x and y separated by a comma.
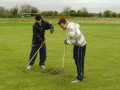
x,y
53,71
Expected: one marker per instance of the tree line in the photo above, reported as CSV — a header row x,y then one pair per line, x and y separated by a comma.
x,y
67,11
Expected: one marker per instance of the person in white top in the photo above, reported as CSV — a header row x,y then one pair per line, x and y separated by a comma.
x,y
77,39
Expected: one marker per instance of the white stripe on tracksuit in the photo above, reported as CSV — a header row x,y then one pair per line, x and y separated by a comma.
x,y
79,61
80,68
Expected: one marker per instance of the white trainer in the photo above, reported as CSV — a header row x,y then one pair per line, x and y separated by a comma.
x,y
75,81
29,67
43,66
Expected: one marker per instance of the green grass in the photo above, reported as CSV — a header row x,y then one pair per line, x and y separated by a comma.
x,y
102,61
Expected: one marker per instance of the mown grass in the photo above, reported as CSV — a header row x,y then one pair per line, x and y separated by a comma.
x,y
102,63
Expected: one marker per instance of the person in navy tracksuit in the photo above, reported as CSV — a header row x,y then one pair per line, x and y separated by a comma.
x,y
38,39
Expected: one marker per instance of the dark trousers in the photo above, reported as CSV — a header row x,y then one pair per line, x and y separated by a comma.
x,y
42,53
79,55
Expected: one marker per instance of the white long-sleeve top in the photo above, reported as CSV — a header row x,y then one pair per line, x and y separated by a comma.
x,y
75,35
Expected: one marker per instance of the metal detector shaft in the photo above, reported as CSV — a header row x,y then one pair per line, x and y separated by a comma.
x,y
63,59
32,57
64,55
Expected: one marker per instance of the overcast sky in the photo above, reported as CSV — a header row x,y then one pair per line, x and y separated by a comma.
x,y
93,6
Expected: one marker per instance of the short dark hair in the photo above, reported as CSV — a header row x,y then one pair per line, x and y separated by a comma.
x,y
62,20
38,17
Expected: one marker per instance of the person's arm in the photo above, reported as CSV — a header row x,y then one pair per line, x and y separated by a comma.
x,y
71,35
49,26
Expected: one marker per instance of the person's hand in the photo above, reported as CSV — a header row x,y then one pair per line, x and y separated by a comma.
x,y
67,42
51,31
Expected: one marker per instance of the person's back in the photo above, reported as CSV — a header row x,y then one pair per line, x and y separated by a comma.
x,y
75,35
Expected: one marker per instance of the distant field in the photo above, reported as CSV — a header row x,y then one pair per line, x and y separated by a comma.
x,y
55,20
102,61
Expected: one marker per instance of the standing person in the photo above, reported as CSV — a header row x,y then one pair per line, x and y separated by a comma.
x,y
77,39
38,39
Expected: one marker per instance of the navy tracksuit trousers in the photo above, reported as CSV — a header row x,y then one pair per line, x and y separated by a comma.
x,y
78,55
42,53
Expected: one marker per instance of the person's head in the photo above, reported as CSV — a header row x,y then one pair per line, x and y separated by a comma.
x,y
38,19
62,23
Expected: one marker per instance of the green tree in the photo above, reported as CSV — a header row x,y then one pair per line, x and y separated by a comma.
x,y
79,13
47,13
101,14
84,12
55,13
114,14
107,13
73,13
34,10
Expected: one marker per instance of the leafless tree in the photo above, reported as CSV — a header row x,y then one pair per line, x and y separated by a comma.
x,y
28,9
14,10
25,8
2,10
66,10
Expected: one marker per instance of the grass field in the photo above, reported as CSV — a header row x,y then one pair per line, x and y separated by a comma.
x,y
102,61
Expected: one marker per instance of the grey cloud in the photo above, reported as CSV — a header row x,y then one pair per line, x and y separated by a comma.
x,y
58,5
